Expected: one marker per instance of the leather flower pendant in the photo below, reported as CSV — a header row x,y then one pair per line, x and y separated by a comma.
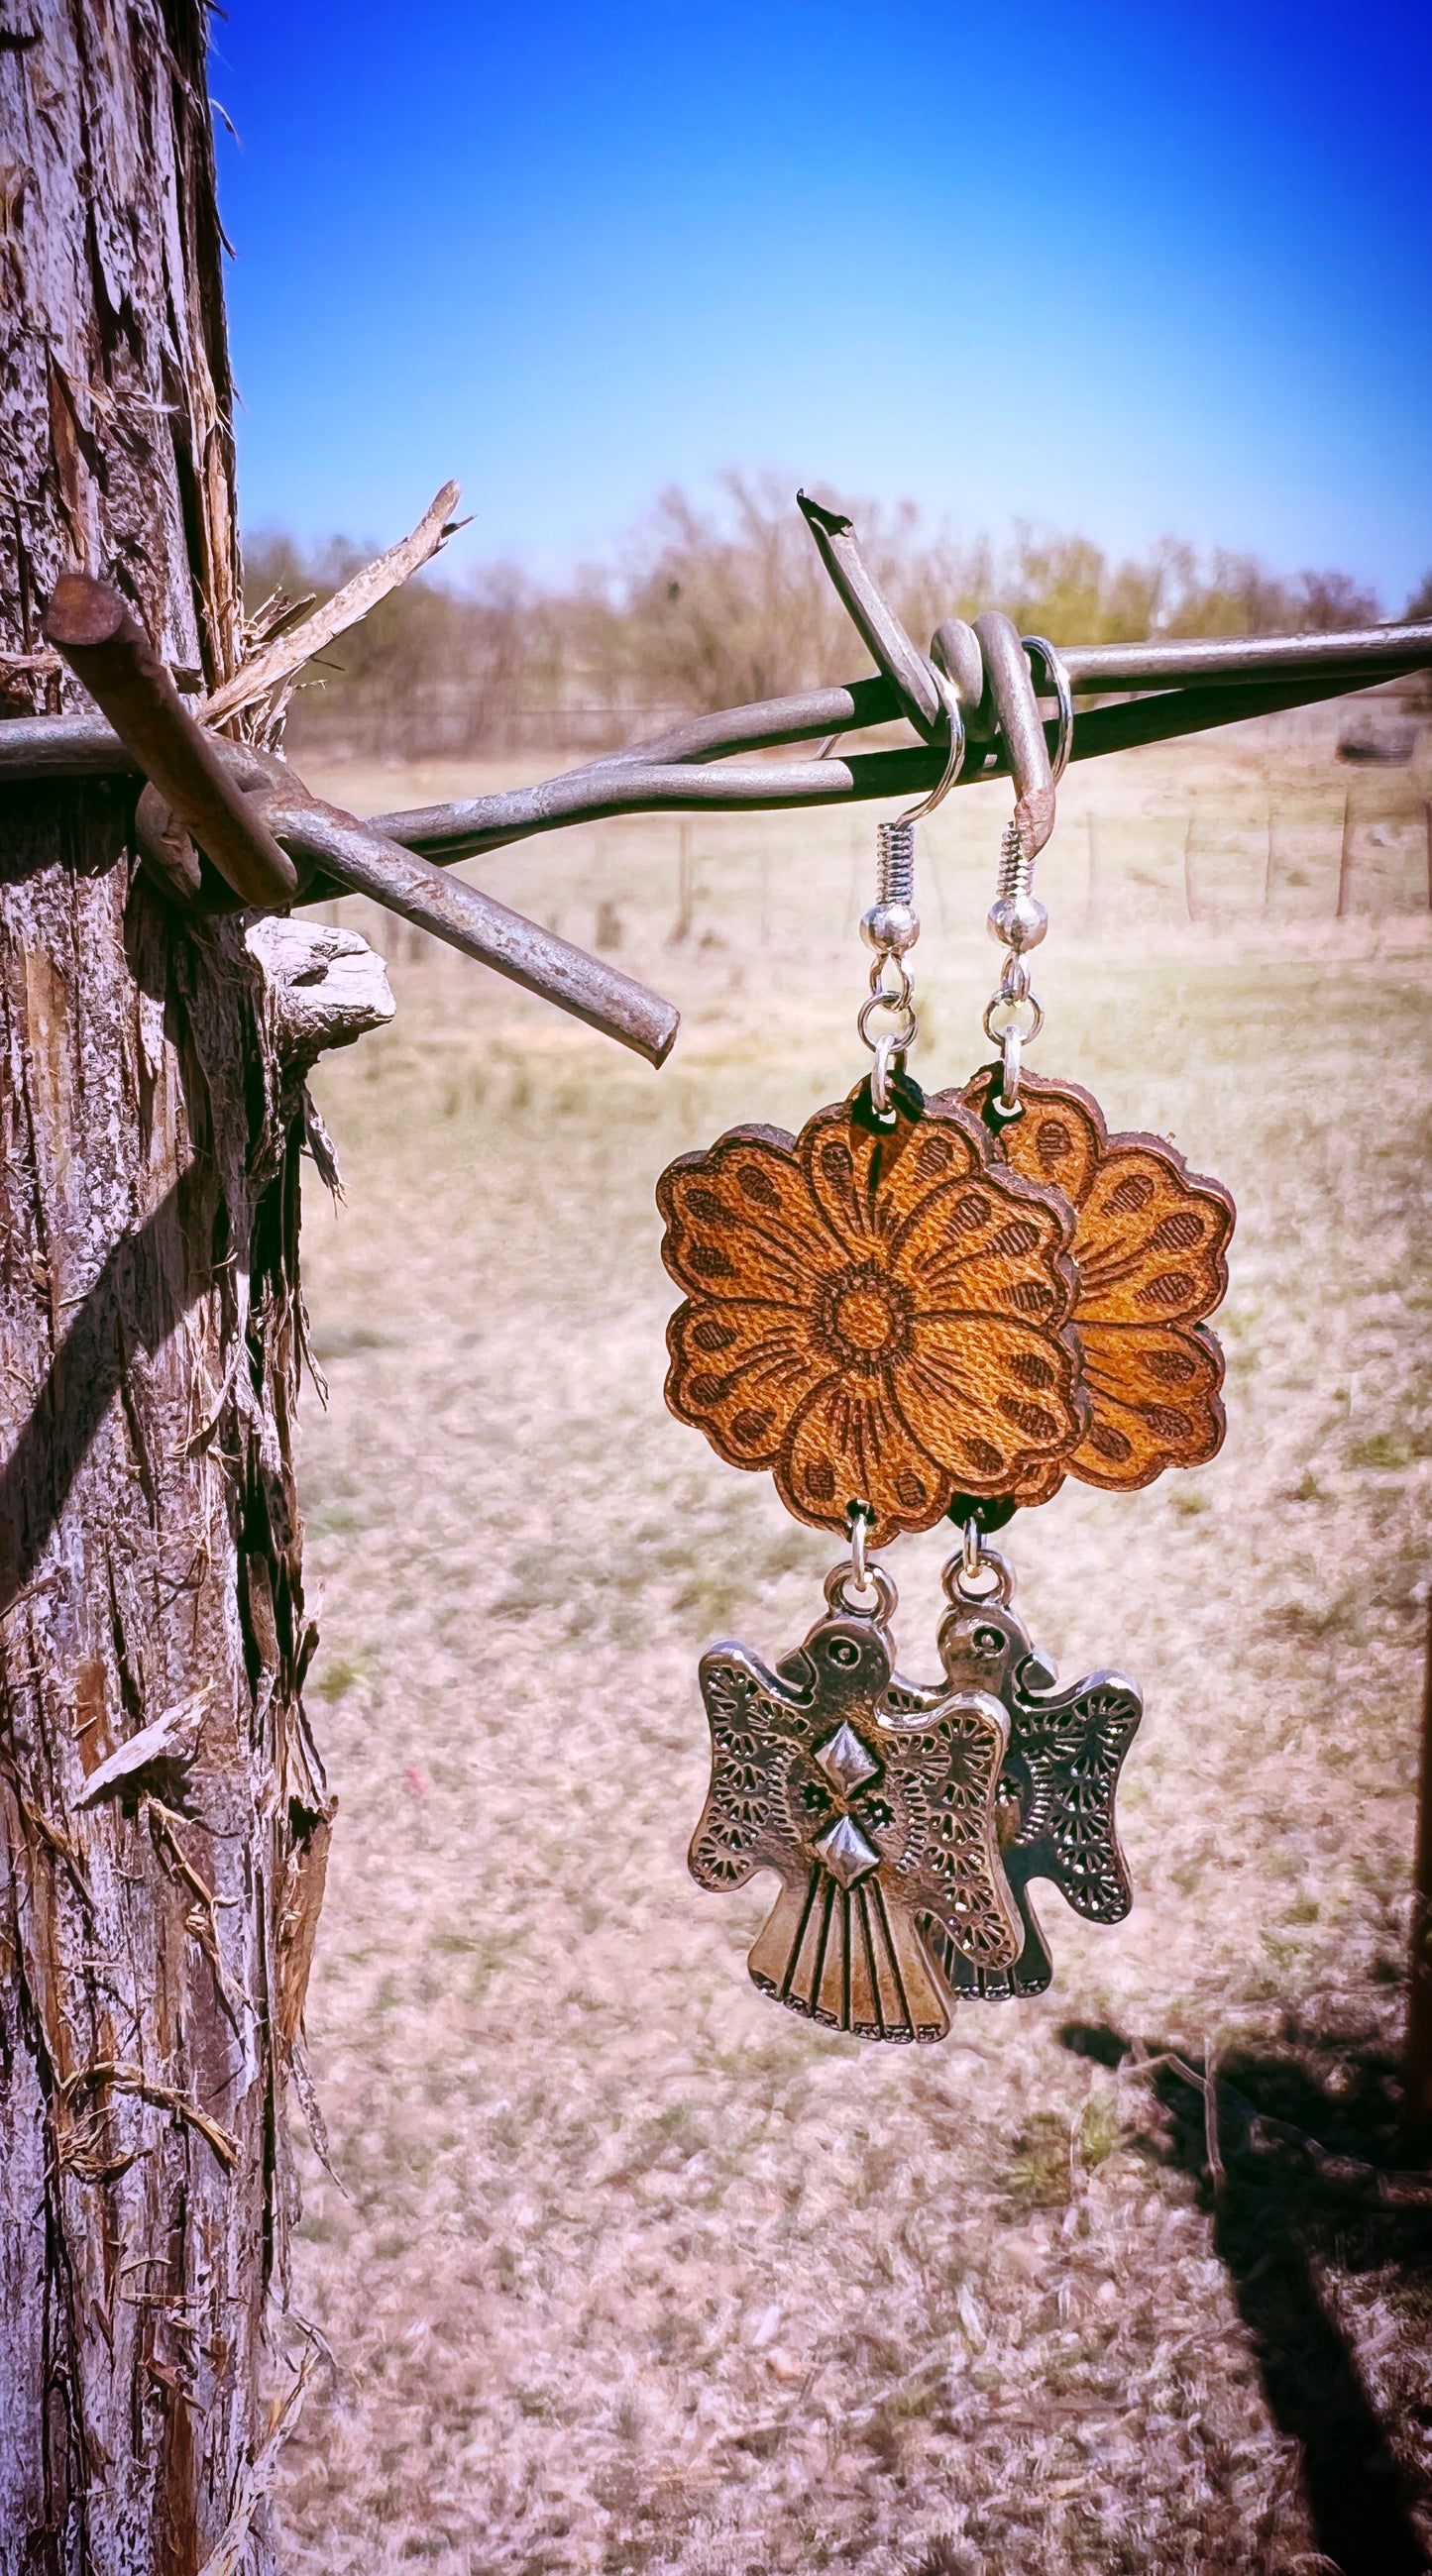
x,y
875,1316
1151,1243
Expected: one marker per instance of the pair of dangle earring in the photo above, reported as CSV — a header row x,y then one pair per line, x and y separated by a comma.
x,y
925,1308
905,1822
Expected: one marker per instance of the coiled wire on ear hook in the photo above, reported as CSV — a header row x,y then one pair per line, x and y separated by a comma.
x,y
1016,917
1015,881
892,925
894,866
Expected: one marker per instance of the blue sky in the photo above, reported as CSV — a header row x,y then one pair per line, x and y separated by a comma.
x,y
1133,269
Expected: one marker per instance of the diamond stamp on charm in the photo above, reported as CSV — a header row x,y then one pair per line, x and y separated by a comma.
x,y
846,1762
874,1825
845,1852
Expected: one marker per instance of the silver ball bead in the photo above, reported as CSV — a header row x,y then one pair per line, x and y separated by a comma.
x,y
890,928
1020,920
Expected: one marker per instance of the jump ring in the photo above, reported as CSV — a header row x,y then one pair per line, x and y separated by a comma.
x,y
1001,1002
905,1036
1009,1045
959,1587
886,1595
886,1050
859,1568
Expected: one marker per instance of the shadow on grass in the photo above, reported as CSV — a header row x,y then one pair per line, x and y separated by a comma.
x,y
1308,2184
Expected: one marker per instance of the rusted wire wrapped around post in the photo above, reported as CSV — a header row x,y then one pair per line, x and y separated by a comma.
x,y
365,861
680,782
252,821
1232,677
112,657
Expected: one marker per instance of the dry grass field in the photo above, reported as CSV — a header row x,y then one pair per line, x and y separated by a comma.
x,y
621,2267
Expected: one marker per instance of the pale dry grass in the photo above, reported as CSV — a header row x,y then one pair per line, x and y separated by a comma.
x,y
630,2270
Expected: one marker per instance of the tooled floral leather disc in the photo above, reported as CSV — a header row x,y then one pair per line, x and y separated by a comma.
x,y
1151,1243
881,1318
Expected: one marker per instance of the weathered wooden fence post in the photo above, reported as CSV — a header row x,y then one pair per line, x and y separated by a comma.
x,y
163,1818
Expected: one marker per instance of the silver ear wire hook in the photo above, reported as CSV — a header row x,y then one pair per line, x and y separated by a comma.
x,y
1014,1017
955,760
1059,681
892,925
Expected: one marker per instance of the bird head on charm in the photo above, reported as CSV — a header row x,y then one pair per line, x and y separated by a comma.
x,y
846,1662
983,1646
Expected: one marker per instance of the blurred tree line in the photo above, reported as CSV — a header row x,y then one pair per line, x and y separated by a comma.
x,y
711,607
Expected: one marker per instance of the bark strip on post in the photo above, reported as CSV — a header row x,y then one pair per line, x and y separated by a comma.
x,y
163,1816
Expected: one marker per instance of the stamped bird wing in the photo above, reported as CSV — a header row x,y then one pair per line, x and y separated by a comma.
x,y
756,1721
950,1872
1057,1822
1065,1756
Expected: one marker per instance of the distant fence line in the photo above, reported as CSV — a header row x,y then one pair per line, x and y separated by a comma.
x,y
440,722
1227,866
1298,862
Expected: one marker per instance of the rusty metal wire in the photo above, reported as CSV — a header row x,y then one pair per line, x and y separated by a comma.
x,y
1189,685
